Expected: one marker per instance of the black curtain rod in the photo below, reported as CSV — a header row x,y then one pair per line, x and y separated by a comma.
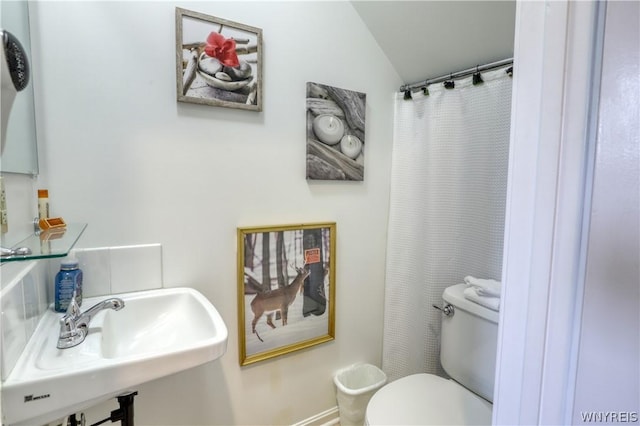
x,y
456,75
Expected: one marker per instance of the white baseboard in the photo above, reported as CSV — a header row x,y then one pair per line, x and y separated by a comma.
x,y
326,418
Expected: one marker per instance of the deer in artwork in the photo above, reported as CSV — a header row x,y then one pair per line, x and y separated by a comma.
x,y
277,300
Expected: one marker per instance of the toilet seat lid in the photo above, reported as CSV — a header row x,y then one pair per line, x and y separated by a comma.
x,y
427,399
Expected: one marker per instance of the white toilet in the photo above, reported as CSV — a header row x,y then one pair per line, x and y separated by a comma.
x,y
468,355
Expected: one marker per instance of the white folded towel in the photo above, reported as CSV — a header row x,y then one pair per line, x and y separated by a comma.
x,y
484,287
486,301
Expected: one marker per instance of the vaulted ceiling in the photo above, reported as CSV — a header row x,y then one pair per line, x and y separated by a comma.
x,y
427,39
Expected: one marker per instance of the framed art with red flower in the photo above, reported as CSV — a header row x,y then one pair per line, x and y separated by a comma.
x,y
218,62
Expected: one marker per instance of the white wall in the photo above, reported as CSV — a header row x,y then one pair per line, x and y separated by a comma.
x,y
119,152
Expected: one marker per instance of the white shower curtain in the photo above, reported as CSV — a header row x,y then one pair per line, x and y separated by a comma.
x,y
446,220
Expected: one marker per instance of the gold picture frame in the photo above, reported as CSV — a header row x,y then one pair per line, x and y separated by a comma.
x,y
287,270
218,62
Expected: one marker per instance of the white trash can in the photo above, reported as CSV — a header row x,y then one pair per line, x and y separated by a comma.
x,y
356,385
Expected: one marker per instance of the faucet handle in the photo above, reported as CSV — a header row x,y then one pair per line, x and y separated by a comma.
x,y
73,311
70,332
68,320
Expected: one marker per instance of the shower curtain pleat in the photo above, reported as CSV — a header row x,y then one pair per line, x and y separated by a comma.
x,y
447,209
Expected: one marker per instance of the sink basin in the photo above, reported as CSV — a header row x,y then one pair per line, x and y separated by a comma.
x,y
157,333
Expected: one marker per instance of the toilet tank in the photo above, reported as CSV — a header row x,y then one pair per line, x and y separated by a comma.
x,y
468,343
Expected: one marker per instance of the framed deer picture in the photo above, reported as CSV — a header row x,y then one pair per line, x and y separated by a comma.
x,y
286,289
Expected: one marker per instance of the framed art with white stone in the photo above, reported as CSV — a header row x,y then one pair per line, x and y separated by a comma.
x,y
335,133
218,62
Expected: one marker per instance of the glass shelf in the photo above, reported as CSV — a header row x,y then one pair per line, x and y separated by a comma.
x,y
55,242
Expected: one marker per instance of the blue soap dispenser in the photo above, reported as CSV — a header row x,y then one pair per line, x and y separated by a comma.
x,y
68,281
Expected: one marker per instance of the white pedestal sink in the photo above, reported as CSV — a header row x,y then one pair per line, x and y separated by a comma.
x,y
157,333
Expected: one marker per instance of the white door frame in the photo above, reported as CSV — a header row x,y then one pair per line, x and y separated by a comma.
x,y
557,55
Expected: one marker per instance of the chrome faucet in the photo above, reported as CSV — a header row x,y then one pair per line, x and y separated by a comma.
x,y
74,325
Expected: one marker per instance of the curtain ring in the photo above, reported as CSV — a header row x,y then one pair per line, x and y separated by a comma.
x,y
449,84
477,77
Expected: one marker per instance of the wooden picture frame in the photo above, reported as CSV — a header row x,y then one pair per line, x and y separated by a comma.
x,y
298,263
218,62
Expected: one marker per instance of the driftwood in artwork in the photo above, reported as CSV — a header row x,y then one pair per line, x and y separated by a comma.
x,y
190,71
352,103
200,90
324,106
323,160
317,168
